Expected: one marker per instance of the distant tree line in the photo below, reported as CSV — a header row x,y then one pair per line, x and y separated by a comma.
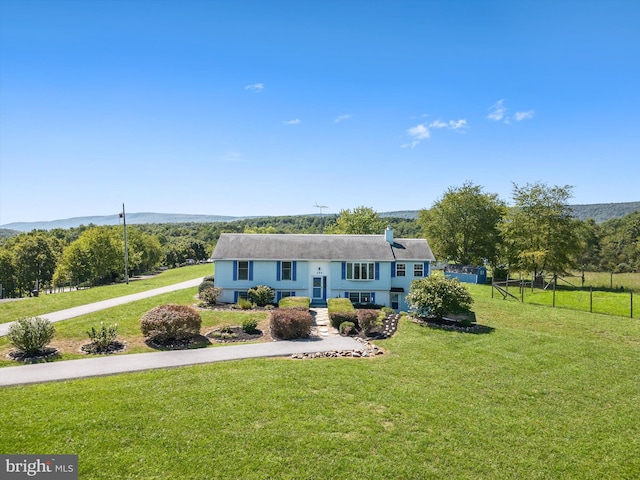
x,y
537,233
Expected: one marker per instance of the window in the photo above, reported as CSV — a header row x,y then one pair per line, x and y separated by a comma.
x,y
243,270
285,271
395,301
401,269
360,297
418,270
361,271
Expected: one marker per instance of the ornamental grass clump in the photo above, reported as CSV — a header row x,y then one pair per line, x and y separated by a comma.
x,y
291,323
167,323
30,335
103,337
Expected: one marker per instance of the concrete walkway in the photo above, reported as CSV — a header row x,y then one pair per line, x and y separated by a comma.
x,y
112,302
113,364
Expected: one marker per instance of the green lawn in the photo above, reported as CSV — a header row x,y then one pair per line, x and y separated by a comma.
x,y
47,303
550,393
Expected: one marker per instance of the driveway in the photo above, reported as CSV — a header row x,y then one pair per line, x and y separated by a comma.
x,y
112,302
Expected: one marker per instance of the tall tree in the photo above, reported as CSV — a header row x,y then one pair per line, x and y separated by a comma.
x,y
35,258
462,226
97,256
539,230
362,220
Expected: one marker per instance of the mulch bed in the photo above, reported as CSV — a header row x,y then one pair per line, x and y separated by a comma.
x,y
47,354
452,325
233,334
113,347
196,341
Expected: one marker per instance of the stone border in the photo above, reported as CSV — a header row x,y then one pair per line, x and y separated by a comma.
x,y
368,350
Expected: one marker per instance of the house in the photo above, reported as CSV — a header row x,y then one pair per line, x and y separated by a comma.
x,y
363,268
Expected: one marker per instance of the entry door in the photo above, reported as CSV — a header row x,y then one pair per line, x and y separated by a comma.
x,y
318,288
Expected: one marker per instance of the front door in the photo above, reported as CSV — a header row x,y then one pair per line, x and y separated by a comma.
x,y
318,288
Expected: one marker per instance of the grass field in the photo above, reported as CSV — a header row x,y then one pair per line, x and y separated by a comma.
x,y
550,393
47,303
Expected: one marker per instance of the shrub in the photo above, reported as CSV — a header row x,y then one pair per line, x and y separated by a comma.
x,y
368,319
210,295
104,336
338,317
261,295
289,302
171,322
244,304
346,328
31,334
437,296
291,323
249,325
208,278
204,285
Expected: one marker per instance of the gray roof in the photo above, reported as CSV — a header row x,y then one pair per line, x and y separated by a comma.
x,y
241,246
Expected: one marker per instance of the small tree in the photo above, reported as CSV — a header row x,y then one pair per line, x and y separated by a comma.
x,y
436,296
31,335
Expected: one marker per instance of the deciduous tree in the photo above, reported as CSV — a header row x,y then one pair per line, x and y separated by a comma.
x,y
539,230
462,226
362,220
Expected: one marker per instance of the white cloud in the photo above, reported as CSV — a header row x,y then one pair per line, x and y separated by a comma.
x,y
255,87
422,132
292,122
524,115
497,111
451,124
437,124
417,133
342,118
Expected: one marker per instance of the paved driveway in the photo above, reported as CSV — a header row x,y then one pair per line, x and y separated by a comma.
x,y
112,302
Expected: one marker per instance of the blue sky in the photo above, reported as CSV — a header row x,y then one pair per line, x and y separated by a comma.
x,y
269,107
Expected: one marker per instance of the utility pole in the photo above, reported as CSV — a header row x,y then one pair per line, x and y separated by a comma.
x,y
126,249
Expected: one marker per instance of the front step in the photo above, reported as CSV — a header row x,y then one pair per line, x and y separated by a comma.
x,y
318,304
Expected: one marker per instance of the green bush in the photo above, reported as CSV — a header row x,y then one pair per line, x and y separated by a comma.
x,y
437,296
368,319
30,335
104,336
244,304
338,317
249,325
208,278
261,295
205,285
290,302
291,323
346,328
171,322
210,295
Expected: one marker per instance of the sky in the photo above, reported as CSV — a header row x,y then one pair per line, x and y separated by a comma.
x,y
247,108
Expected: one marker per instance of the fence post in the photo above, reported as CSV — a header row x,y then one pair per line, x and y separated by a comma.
x,y
631,294
555,282
521,290
591,299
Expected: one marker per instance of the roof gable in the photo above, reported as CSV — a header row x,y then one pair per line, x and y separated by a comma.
x,y
240,246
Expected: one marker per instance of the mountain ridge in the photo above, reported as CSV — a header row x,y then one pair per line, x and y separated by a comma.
x,y
600,212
